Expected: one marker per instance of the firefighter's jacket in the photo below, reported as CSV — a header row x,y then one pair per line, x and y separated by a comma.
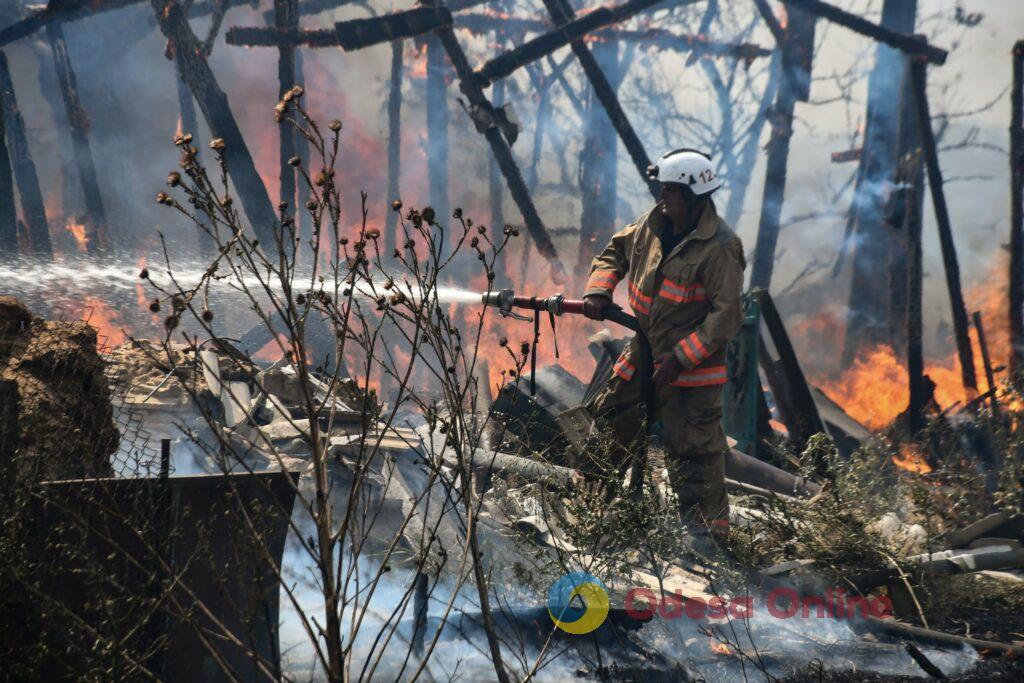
x,y
687,303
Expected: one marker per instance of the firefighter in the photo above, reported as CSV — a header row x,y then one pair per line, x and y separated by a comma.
x,y
683,268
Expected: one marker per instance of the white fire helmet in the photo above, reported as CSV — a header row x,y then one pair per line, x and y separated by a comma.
x,y
687,167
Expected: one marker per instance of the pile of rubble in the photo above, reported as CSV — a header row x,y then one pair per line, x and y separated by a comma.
x,y
56,417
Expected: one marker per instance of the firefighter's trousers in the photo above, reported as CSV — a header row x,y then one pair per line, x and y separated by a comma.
x,y
691,419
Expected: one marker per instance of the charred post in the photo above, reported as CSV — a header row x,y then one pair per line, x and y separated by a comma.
x,y
797,52
561,13
986,360
23,167
915,351
96,215
1017,216
485,118
494,188
952,267
214,104
8,210
286,17
394,141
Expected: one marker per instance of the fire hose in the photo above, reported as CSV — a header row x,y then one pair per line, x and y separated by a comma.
x,y
505,301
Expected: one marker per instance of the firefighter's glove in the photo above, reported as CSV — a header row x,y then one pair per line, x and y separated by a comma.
x,y
666,369
594,305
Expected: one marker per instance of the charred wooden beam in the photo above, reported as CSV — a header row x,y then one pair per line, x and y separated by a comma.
x,y
486,120
252,193
494,188
286,17
919,74
437,128
311,7
985,359
260,36
915,278
394,142
96,235
789,387
910,44
567,32
561,13
650,37
359,33
23,167
8,210
797,49
1016,297
847,155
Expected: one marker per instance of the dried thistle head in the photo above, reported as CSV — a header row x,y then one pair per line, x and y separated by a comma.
x,y
334,125
295,161
396,205
218,144
162,198
174,179
180,140
429,214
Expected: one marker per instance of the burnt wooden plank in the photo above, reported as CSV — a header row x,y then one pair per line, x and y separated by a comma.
x,y
96,234
919,74
1016,298
486,119
561,13
359,33
23,167
797,46
910,44
251,191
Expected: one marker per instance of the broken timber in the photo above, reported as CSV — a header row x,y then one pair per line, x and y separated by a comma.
x,y
919,74
911,45
96,216
1016,298
8,211
506,63
650,37
561,13
486,119
797,52
252,193
23,167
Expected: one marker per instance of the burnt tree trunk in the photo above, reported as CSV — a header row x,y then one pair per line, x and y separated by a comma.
x,y
23,167
391,241
952,267
252,193
8,210
797,52
437,130
561,13
868,321
598,165
96,235
286,16
1017,216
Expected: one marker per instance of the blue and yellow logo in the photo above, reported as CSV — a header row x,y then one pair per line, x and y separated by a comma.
x,y
564,599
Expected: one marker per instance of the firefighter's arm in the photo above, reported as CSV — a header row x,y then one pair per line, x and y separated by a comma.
x,y
612,264
722,277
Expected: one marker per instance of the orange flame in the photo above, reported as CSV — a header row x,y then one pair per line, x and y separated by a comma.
x,y
77,231
719,647
105,321
874,390
911,458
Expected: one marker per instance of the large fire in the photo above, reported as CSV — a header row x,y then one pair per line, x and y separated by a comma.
x,y
874,390
77,231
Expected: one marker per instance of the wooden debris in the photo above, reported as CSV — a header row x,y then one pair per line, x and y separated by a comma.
x,y
96,237
919,71
23,167
912,45
252,193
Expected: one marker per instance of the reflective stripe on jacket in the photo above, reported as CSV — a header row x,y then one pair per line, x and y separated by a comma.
x,y
687,303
